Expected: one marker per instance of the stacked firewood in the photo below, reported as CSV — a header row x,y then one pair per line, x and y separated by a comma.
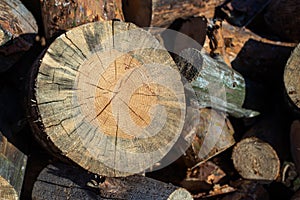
x,y
154,99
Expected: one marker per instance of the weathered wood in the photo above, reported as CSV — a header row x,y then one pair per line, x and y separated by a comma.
x,y
108,97
61,15
282,17
256,160
216,85
295,143
61,181
17,32
12,169
213,134
292,80
159,13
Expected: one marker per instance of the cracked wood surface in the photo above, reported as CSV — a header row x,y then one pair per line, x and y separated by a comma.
x,y
12,169
99,100
68,182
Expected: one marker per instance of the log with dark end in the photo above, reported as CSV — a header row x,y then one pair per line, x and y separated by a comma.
x,y
292,80
105,95
18,29
60,181
12,169
256,160
159,13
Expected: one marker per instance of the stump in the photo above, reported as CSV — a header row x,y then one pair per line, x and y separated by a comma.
x,y
158,13
12,169
256,160
292,80
108,97
62,15
61,181
17,32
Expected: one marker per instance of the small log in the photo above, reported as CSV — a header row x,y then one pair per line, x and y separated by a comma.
x,y
256,160
108,97
292,80
62,15
159,13
17,32
12,169
295,143
61,181
282,17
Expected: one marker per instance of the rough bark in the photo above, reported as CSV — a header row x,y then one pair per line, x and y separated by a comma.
x,y
12,169
292,80
17,32
92,98
60,181
255,159
159,13
61,15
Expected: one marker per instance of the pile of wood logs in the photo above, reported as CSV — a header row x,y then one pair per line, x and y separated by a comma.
x,y
154,99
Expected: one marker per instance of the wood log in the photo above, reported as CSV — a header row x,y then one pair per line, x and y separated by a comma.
x,y
295,143
158,13
256,160
62,15
213,135
12,169
292,80
61,181
17,32
107,96
282,17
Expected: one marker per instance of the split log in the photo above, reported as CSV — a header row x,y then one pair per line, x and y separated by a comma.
x,y
12,169
107,96
282,17
213,135
295,143
61,15
61,181
292,80
17,32
159,13
256,160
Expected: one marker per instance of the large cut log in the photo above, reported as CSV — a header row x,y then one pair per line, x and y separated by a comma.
x,y
61,181
17,32
59,16
159,13
12,169
292,80
256,160
107,96
282,17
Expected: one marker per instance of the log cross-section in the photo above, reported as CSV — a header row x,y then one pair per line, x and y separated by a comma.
x,y
107,96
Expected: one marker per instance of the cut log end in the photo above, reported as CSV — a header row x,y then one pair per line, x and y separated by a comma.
x,y
256,160
106,95
292,78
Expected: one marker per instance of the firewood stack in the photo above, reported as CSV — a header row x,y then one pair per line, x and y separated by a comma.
x,y
154,99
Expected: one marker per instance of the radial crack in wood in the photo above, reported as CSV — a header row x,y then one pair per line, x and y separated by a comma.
x,y
109,98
